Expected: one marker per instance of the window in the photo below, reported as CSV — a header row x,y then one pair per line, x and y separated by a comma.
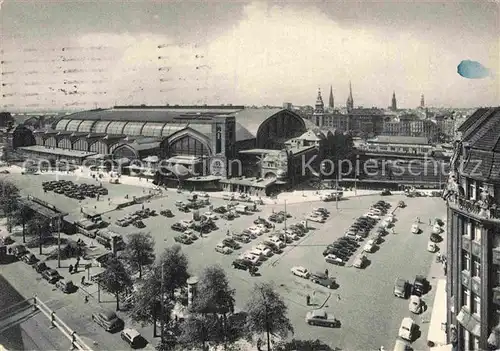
x,y
466,345
475,343
476,304
468,230
466,298
476,267
466,261
477,234
472,190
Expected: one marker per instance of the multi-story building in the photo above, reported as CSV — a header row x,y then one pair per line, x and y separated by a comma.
x,y
473,249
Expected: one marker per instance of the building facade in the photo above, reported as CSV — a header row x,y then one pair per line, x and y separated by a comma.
x,y
473,252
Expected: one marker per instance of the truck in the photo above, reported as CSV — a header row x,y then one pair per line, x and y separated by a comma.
x,y
106,237
241,209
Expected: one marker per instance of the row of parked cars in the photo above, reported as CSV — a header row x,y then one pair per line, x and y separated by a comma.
x,y
75,191
273,244
136,218
47,273
342,249
190,227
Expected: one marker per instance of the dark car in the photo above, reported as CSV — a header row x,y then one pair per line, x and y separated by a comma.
x,y
242,264
401,288
419,287
386,192
167,213
183,239
29,258
323,280
348,242
220,210
184,209
51,275
231,243
139,224
435,238
241,238
178,227
39,267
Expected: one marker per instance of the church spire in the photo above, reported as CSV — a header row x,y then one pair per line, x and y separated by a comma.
x,y
350,100
331,103
319,110
394,105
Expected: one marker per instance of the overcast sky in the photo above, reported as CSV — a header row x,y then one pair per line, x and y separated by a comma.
x,y
152,52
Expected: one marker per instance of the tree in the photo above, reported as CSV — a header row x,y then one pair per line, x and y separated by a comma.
x,y
140,250
21,215
267,313
9,196
303,345
116,279
214,300
171,269
40,228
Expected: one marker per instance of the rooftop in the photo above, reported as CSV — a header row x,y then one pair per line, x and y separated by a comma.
x,y
387,139
57,151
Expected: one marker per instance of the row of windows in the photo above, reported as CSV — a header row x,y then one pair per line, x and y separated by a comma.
x,y
471,342
471,301
472,265
398,149
472,231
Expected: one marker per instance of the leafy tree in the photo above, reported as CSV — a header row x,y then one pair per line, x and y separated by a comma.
x,y
9,194
267,313
40,228
116,279
172,270
214,300
21,215
140,250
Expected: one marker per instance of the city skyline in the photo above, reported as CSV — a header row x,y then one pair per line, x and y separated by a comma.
x,y
246,53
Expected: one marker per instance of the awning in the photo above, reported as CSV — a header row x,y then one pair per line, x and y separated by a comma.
x,y
179,170
152,159
96,157
122,160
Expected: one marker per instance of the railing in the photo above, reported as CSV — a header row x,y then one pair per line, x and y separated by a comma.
x,y
76,341
475,208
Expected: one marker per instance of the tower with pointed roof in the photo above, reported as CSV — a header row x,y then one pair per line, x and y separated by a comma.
x,y
319,110
331,103
422,101
394,104
350,100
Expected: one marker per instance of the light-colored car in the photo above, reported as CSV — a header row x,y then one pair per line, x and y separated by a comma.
x,y
300,271
415,305
415,229
267,251
321,318
258,252
275,240
369,246
256,230
131,336
291,235
221,248
401,345
401,288
211,215
407,329
436,229
187,223
360,261
331,258
375,211
432,247
356,237
263,228
250,257
316,219
372,215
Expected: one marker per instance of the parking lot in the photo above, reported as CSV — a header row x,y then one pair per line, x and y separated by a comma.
x,y
364,303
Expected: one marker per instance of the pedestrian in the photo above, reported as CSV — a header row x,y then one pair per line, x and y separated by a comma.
x,y
83,280
227,232
75,269
338,297
418,220
308,300
143,206
392,229
326,272
70,269
430,222
86,298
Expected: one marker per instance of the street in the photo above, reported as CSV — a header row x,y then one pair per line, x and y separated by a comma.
x,y
370,315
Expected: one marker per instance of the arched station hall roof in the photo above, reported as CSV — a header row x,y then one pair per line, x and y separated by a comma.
x,y
163,121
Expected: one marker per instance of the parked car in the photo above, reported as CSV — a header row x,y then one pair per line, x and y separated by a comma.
x,y
108,320
415,305
254,259
407,329
183,239
275,240
435,238
369,246
242,238
360,261
66,286
221,248
231,243
139,224
266,251
436,229
51,275
419,286
316,219
321,318
39,267
432,247
333,259
322,279
300,271
167,213
401,345
242,264
29,258
178,227
386,192
131,336
415,229
401,288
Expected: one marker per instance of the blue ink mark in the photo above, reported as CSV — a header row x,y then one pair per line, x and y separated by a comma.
x,y
472,70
